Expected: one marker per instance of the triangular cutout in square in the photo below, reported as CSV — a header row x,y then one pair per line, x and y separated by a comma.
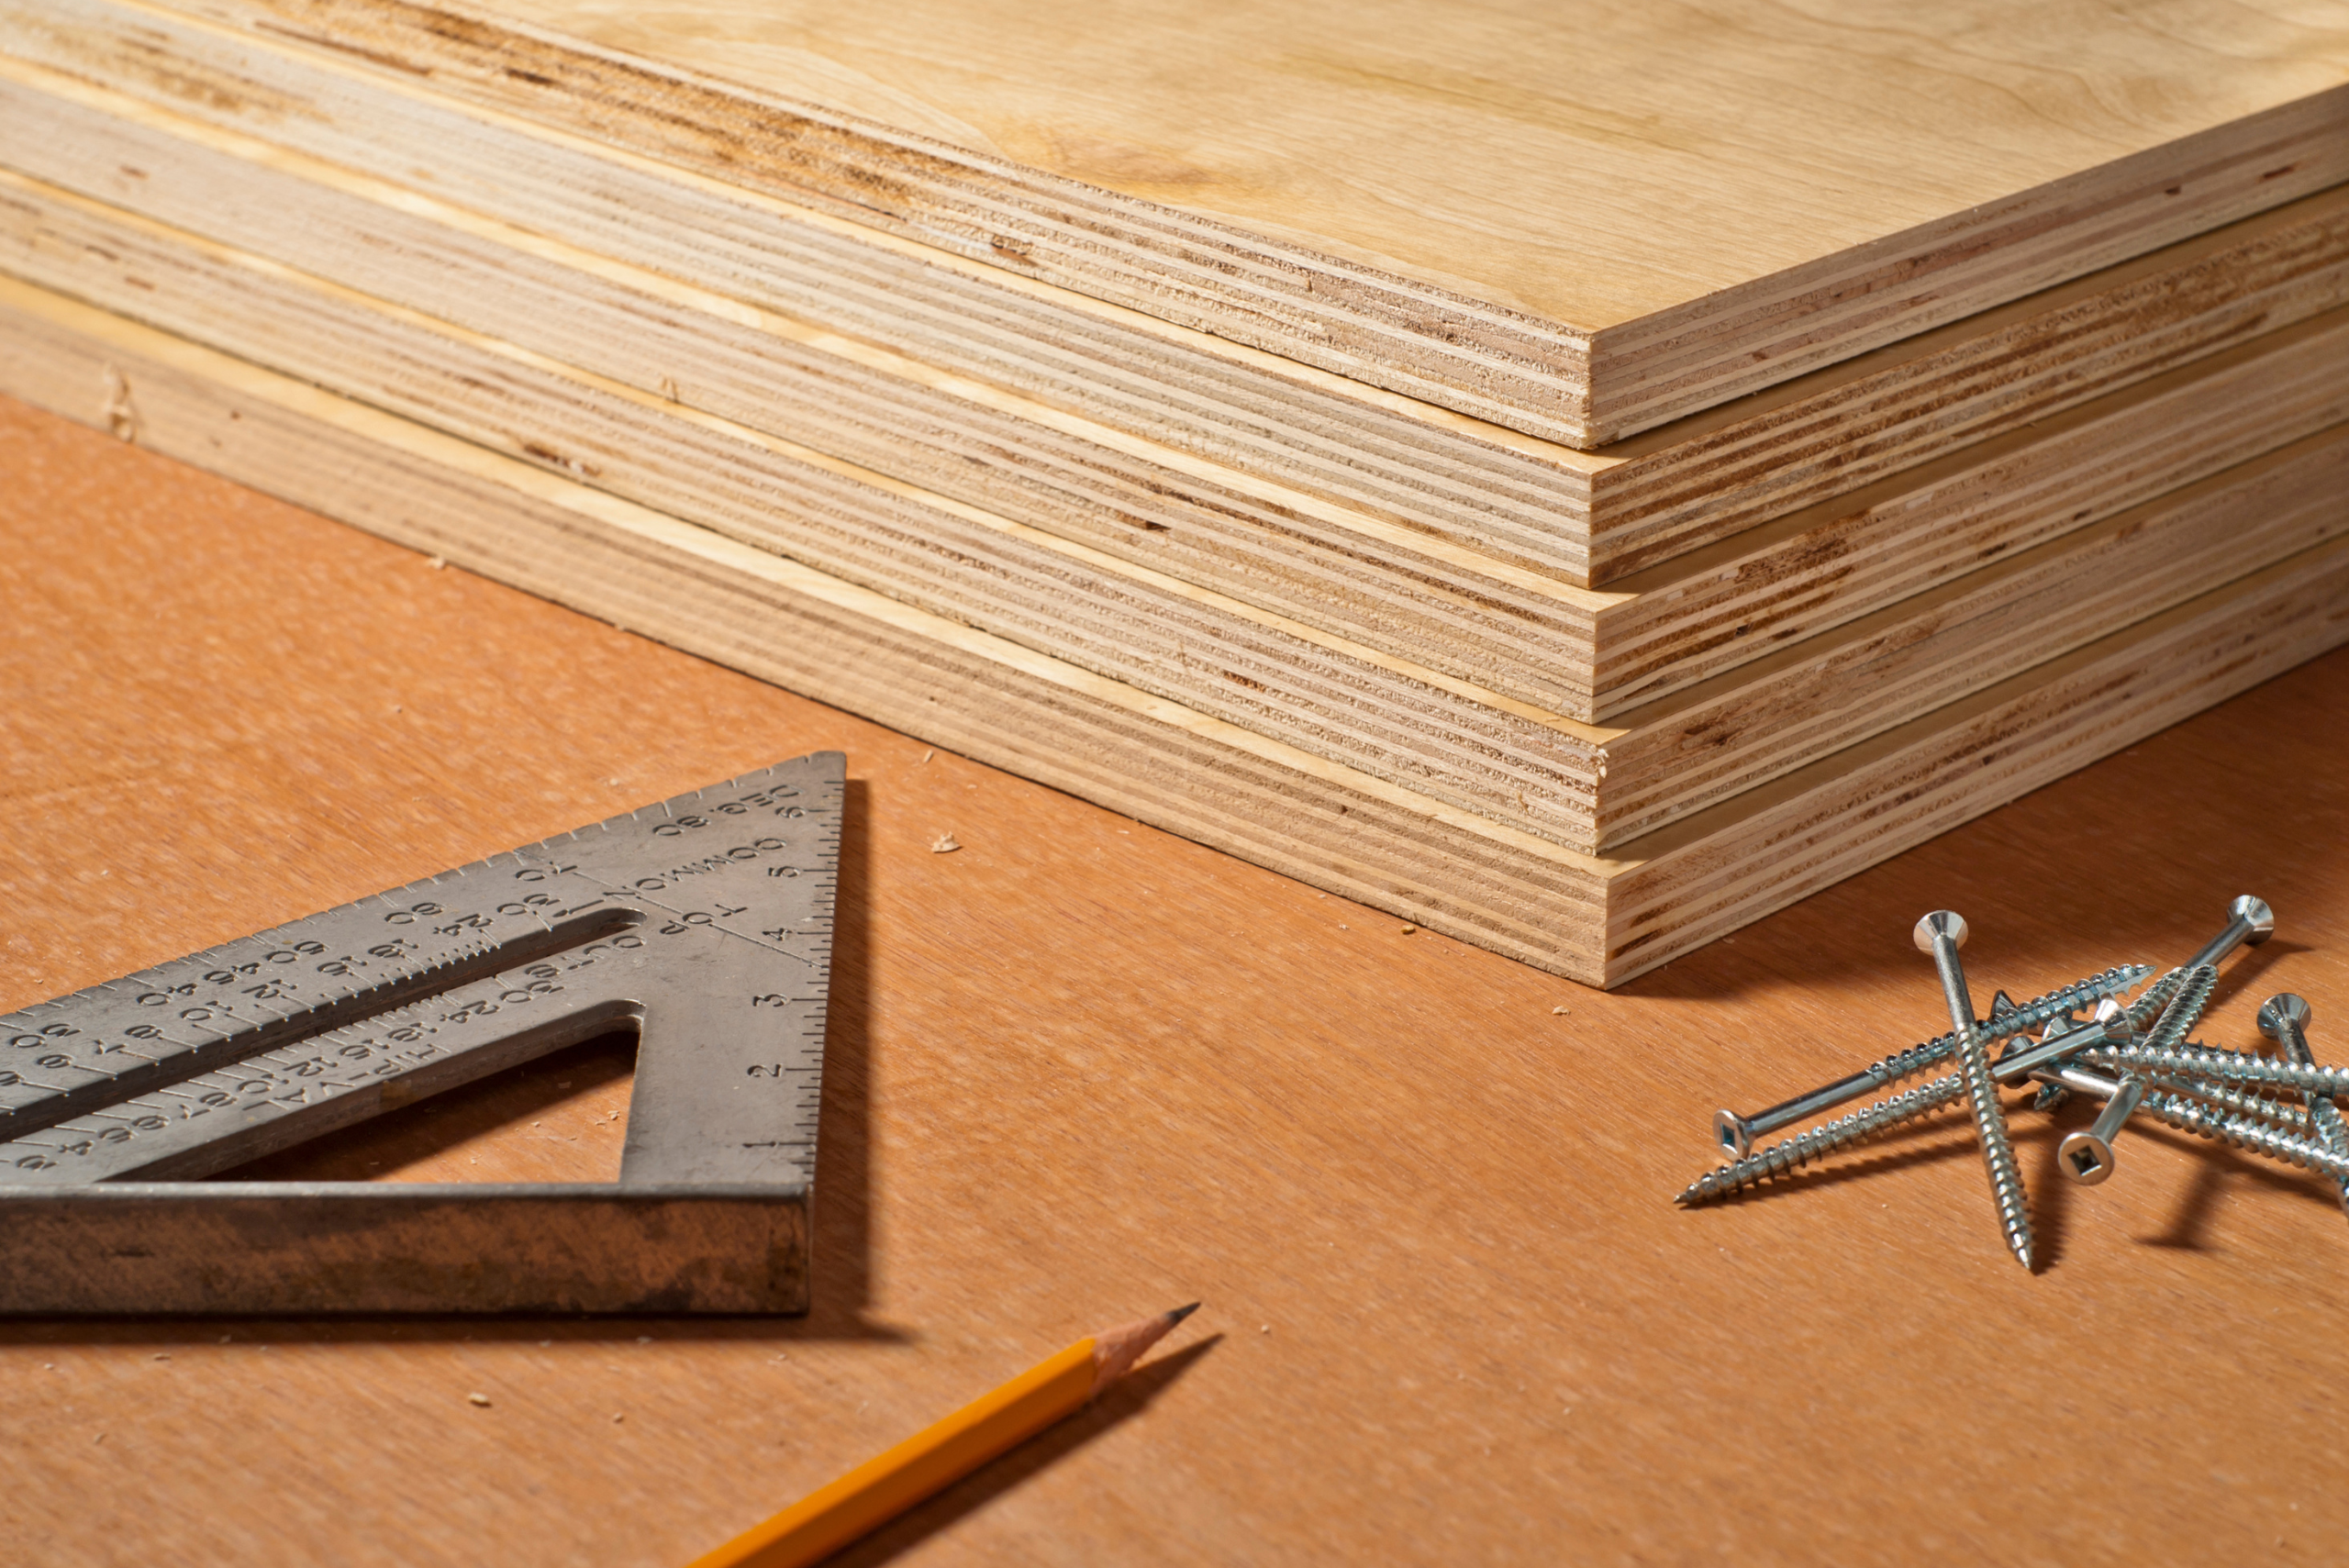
x,y
707,917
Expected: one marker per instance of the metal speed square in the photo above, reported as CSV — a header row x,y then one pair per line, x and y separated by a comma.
x,y
706,920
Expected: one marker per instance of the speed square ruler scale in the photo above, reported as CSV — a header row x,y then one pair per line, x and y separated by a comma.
x,y
705,921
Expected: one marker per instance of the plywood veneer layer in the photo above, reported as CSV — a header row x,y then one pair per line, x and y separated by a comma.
x,y
1589,517
1599,921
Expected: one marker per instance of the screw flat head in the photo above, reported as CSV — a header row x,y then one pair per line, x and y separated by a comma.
x,y
2282,1008
1736,1134
1939,923
2255,912
2084,1158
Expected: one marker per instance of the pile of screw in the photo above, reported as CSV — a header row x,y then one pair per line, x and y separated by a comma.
x,y
2133,1057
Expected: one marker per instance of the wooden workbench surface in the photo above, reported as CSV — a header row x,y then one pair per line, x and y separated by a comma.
x,y
1080,1070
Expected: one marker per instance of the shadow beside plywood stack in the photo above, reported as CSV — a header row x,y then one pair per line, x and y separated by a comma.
x,y
1340,590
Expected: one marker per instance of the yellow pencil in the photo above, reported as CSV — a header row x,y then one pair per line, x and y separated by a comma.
x,y
879,1490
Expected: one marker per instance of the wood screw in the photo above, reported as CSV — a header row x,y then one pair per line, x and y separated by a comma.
x,y
1942,933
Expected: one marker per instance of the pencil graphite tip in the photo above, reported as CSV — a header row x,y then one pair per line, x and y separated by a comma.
x,y
1115,1350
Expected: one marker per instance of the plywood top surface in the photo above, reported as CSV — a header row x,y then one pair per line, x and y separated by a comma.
x,y
1079,1070
1588,164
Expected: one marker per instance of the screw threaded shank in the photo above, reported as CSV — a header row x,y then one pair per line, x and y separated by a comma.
x,y
1781,1158
2232,1066
2241,1102
1997,1149
2184,1010
2189,1116
1940,934
2142,1012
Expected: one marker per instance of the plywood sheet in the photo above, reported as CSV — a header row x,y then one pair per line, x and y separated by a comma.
x,y
1576,222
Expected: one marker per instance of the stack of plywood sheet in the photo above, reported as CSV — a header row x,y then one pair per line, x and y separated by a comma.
x,y
1575,477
